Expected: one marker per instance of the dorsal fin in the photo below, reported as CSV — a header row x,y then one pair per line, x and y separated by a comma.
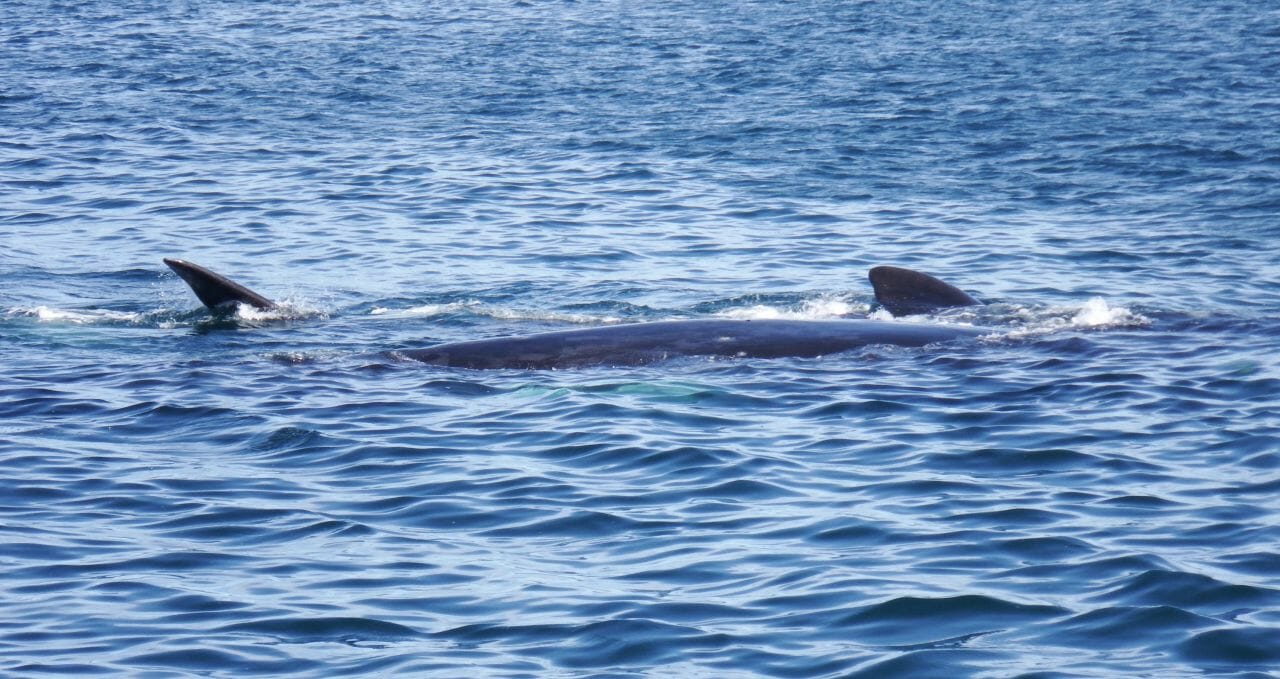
x,y
214,289
905,291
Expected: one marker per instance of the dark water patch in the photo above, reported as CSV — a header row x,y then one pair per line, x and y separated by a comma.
x,y
1004,519
207,660
253,527
1191,591
1127,626
134,505
630,643
736,491
689,575
682,460
175,562
1055,549
71,669
1017,461
931,663
584,524
312,629
52,403
919,488
38,551
486,633
919,620
287,439
1234,649
858,409
188,603
445,515
849,535
378,583
36,494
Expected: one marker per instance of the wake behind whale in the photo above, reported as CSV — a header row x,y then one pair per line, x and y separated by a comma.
x,y
898,290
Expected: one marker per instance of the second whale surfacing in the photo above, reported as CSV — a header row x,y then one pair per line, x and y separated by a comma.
x,y
898,290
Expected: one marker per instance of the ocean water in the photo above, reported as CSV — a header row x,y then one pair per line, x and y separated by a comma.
x,y
1090,492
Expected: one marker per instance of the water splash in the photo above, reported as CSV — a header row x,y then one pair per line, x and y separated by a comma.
x,y
811,309
1097,313
284,310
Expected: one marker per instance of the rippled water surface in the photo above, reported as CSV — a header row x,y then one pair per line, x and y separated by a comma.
x,y
1091,492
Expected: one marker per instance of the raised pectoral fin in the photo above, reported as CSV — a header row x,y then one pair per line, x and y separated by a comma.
x,y
216,290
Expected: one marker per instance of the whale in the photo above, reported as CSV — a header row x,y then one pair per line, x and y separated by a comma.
x,y
898,290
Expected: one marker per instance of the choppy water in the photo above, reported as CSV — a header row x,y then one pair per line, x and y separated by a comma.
x,y
1092,493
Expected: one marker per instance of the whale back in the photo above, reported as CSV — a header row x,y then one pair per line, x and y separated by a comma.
x,y
905,291
216,290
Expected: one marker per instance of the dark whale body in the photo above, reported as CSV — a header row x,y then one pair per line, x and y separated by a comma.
x,y
898,290
640,343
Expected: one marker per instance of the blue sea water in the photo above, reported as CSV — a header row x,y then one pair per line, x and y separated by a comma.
x,y
1092,492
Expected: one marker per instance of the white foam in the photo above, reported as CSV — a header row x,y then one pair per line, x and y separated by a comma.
x,y
424,310
952,317
286,310
557,316
813,309
501,313
46,314
1097,313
